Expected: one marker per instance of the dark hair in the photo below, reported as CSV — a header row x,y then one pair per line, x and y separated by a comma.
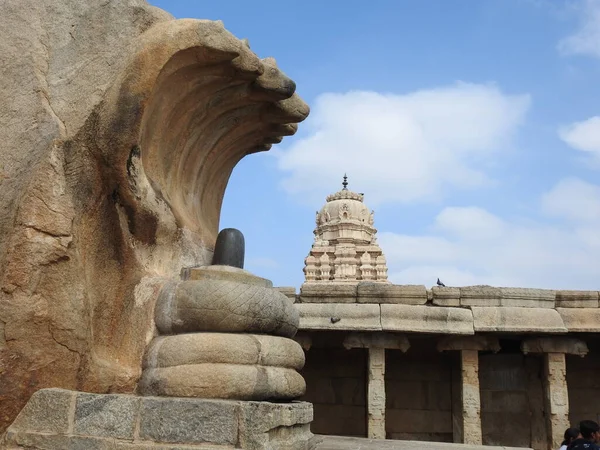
x,y
588,427
570,435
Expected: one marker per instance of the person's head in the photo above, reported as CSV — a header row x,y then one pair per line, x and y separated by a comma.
x,y
570,435
590,430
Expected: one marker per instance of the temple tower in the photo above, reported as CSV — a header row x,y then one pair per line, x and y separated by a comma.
x,y
345,249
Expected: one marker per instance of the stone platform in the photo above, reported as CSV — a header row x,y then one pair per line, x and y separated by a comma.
x,y
351,443
56,419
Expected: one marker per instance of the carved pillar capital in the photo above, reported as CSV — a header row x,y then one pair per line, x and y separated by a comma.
x,y
565,345
478,343
377,340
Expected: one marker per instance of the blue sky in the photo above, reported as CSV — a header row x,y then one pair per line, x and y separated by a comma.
x,y
469,125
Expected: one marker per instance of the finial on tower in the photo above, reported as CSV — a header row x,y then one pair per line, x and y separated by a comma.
x,y
345,183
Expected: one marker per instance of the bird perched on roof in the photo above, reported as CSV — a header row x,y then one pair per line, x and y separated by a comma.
x,y
439,283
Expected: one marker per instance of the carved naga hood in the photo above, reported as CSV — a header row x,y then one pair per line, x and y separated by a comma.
x,y
121,127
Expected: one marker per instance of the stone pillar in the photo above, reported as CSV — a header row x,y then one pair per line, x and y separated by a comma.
x,y
376,343
471,403
467,403
556,396
376,393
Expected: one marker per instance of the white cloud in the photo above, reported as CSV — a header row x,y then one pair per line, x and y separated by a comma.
x,y
584,135
586,39
422,146
472,222
403,147
574,200
468,246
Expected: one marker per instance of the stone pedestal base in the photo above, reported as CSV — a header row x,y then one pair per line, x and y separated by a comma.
x,y
62,419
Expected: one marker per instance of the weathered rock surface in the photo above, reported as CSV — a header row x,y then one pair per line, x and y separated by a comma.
x,y
581,320
113,421
480,296
445,296
224,273
288,291
565,345
363,292
577,299
385,317
380,340
517,320
506,296
224,348
478,343
339,316
222,305
391,293
426,319
119,129
528,298
225,381
328,293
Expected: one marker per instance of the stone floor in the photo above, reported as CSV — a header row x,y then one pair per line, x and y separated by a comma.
x,y
350,443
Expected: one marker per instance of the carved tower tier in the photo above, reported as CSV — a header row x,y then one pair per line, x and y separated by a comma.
x,y
345,249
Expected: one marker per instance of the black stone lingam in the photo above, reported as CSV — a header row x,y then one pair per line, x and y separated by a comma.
x,y
230,248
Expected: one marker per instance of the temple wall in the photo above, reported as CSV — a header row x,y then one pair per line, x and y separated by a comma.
x,y
423,386
508,367
511,399
336,381
583,381
419,394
